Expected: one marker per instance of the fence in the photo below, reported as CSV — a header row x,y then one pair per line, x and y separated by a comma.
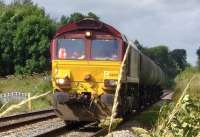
x,y
15,97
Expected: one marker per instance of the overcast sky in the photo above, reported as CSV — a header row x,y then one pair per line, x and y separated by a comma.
x,y
175,23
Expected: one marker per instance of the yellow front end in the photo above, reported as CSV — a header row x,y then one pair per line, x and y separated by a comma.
x,y
84,76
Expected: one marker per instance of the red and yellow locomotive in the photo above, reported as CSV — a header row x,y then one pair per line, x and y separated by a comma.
x,y
86,60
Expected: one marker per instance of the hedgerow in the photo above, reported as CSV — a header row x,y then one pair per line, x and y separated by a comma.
x,y
25,35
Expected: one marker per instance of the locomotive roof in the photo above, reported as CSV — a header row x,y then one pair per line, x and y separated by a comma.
x,y
88,24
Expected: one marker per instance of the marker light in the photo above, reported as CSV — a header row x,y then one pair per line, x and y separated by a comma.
x,y
88,34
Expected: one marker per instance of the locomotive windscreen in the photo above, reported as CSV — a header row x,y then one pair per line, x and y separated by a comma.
x,y
70,49
105,50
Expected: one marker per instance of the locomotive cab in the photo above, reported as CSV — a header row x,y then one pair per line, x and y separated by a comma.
x,y
85,60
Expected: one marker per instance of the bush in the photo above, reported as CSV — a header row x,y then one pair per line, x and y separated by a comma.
x,y
25,35
185,122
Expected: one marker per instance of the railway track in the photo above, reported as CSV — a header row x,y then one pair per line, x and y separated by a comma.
x,y
78,129
44,123
14,121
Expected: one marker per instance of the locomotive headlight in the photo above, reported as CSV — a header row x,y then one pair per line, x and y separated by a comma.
x,y
60,81
64,82
110,83
88,34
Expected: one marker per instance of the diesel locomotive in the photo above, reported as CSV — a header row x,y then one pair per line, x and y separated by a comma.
x,y
86,59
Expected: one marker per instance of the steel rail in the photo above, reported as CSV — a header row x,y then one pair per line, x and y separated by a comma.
x,y
100,133
63,129
22,115
54,132
14,121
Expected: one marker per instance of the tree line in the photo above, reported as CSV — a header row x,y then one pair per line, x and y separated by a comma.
x,y
171,62
26,31
25,34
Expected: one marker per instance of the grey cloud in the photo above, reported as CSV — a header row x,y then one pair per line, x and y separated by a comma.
x,y
174,23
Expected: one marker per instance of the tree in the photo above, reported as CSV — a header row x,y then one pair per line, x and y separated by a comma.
x,y
75,17
198,59
1,2
26,1
161,56
92,15
32,43
21,2
25,35
171,62
64,20
179,56
138,45
7,30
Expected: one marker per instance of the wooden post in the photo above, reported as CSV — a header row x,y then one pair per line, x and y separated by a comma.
x,y
29,102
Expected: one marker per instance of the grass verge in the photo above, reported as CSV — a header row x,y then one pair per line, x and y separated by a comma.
x,y
34,84
181,118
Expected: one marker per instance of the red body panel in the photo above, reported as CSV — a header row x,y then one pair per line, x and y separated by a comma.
x,y
98,29
88,25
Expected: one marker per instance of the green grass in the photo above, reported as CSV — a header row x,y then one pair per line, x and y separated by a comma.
x,y
148,118
41,103
182,80
34,84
